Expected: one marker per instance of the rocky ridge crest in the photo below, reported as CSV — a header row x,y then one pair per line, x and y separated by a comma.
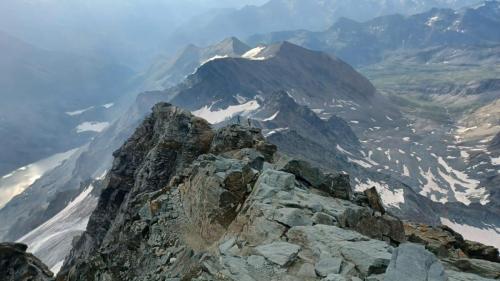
x,y
185,202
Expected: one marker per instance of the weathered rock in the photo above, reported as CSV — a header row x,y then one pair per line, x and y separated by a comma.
x,y
482,268
212,191
327,266
281,253
374,200
235,137
322,218
17,265
412,262
337,185
334,277
462,276
382,227
368,256
307,271
477,250
293,217
445,242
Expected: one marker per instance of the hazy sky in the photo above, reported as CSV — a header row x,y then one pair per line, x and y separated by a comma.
x,y
119,29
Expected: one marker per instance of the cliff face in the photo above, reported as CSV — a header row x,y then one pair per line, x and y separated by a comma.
x,y
184,202
17,265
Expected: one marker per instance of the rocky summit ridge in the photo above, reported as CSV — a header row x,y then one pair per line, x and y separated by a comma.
x,y
186,202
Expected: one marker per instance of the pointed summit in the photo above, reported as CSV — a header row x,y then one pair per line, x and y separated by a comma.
x,y
233,44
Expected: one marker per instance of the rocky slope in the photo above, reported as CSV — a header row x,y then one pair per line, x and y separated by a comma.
x,y
17,265
185,202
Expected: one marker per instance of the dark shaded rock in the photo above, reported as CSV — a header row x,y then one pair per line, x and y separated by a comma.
x,y
166,142
446,243
236,137
482,268
337,185
17,265
383,227
477,250
374,200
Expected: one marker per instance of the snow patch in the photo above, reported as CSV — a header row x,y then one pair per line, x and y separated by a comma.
x,y
80,111
272,117
92,127
339,148
430,22
359,162
495,161
253,54
221,115
432,186
108,105
275,131
457,178
216,57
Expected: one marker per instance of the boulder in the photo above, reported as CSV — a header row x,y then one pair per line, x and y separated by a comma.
x,y
328,265
477,250
463,276
482,268
281,253
368,256
413,262
18,265
336,185
293,217
446,243
383,227
374,200
212,191
235,137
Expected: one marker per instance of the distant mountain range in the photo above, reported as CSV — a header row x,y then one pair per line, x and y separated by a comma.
x,y
362,43
298,14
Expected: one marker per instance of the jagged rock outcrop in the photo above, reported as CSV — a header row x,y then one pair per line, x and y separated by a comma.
x,y
18,265
186,203
446,243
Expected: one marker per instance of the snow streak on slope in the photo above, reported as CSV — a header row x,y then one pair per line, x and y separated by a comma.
x,y
17,181
487,236
51,241
221,115
253,54
92,127
459,180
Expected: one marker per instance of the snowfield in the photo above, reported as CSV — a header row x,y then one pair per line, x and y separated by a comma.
x,y
218,116
51,241
92,127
